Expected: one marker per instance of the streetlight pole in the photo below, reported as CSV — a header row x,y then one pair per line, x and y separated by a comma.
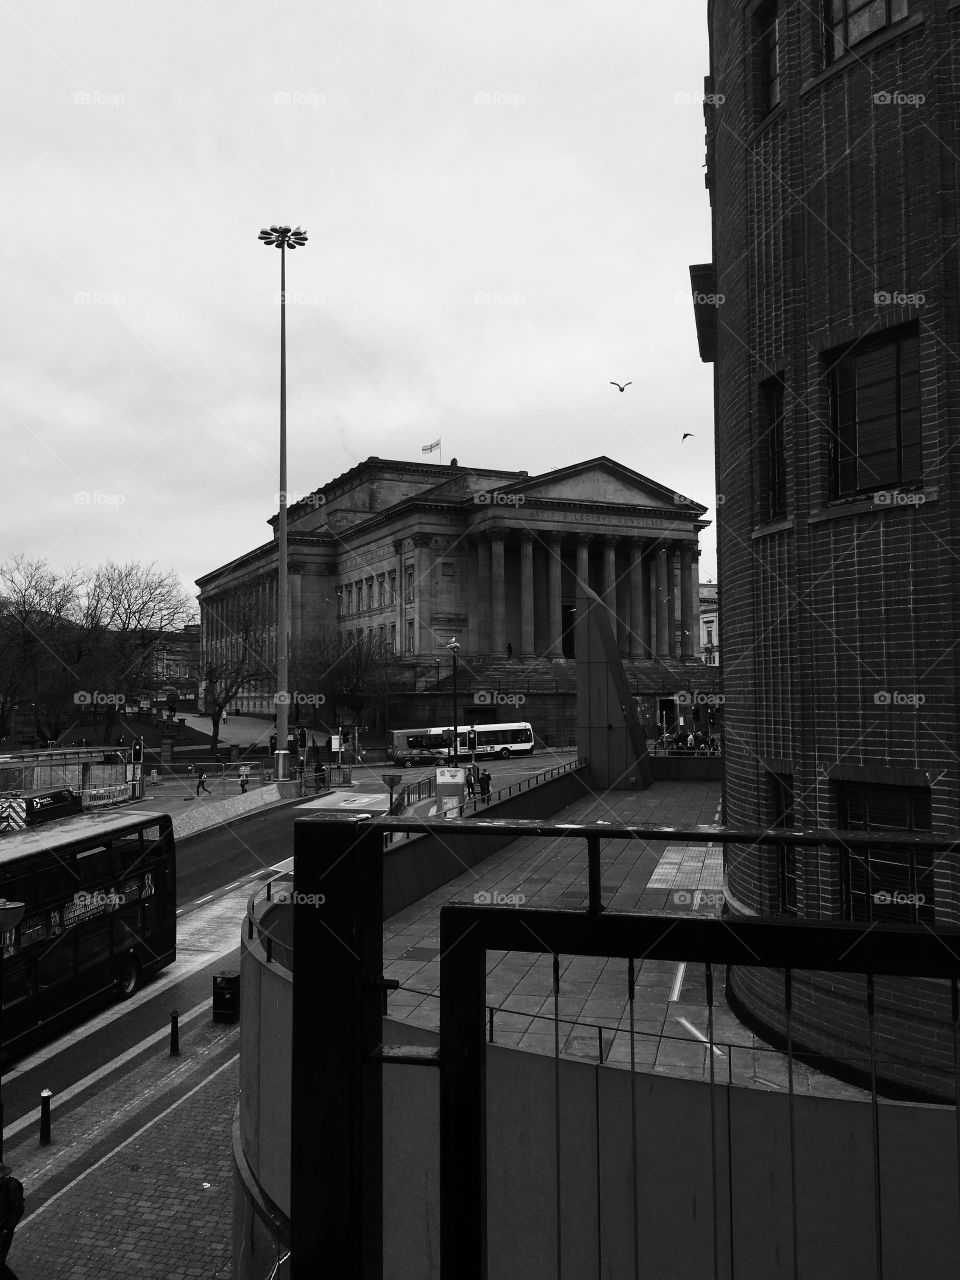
x,y
11,913
282,238
454,648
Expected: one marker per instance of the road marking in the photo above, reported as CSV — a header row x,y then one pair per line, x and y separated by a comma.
x,y
678,980
126,1142
11,1130
699,1034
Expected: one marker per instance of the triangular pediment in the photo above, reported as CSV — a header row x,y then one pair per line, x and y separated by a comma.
x,y
600,480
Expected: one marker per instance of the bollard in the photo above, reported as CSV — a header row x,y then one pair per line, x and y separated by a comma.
x,y
174,1034
45,1096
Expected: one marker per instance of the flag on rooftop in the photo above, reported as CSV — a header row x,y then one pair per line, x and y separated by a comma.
x,y
429,448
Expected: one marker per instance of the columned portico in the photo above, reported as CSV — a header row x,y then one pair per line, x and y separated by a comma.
x,y
483,593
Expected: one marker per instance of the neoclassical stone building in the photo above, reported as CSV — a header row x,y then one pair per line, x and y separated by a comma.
x,y
411,554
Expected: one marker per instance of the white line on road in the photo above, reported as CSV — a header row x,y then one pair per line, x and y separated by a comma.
x,y
678,980
699,1034
11,1130
126,1142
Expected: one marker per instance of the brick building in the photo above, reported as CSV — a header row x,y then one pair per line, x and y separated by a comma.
x,y
830,310
406,555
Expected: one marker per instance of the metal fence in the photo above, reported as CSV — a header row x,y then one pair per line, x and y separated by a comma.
x,y
337,862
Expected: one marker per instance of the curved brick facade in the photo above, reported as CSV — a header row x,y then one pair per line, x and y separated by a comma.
x,y
833,182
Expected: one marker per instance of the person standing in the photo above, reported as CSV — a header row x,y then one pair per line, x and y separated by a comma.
x,y
485,787
202,783
243,782
11,1211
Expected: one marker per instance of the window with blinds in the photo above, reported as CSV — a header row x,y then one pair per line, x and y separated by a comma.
x,y
886,884
875,416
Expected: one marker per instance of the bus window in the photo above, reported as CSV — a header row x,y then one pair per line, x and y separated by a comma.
x,y
57,963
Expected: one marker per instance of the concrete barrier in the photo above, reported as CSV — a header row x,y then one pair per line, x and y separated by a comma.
x,y
215,813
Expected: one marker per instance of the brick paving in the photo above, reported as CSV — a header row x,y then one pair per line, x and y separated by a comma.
x,y
158,1207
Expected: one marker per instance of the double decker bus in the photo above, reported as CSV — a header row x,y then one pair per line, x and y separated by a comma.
x,y
100,916
407,747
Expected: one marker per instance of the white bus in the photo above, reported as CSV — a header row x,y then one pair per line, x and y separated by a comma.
x,y
408,747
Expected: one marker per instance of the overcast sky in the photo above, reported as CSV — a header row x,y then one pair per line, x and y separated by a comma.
x,y
502,201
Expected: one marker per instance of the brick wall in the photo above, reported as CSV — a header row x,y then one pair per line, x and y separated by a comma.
x,y
834,198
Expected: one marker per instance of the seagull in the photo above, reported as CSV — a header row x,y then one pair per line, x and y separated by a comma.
x,y
624,387
684,436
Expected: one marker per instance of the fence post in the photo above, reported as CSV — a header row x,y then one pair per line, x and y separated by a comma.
x,y
45,1096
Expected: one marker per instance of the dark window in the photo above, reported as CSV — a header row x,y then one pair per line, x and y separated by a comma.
x,y
786,856
875,416
408,589
886,884
767,28
772,452
847,22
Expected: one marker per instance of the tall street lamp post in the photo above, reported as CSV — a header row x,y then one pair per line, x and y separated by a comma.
x,y
283,238
454,648
11,913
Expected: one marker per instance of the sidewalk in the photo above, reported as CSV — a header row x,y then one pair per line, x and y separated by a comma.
x,y
154,1199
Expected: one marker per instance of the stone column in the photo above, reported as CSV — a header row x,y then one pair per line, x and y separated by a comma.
x,y
673,559
483,594
498,639
398,595
610,576
554,640
583,567
663,593
695,651
687,618
527,647
583,558
422,595
638,611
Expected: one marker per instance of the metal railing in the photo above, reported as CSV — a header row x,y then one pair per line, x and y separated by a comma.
x,y
337,859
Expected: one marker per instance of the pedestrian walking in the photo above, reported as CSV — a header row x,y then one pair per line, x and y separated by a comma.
x,y
11,1211
224,718
485,787
471,785
202,784
243,782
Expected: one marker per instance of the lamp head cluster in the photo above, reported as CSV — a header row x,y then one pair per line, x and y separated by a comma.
x,y
453,645
283,236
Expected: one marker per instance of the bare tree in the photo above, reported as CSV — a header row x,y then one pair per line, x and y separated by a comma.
x,y
236,654
348,671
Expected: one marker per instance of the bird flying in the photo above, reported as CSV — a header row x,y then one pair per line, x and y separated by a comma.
x,y
684,436
624,387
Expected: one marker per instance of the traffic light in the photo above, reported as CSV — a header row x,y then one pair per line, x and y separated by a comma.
x,y
302,739
273,744
137,751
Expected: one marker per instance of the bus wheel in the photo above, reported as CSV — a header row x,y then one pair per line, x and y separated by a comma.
x,y
129,977
504,753
408,764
